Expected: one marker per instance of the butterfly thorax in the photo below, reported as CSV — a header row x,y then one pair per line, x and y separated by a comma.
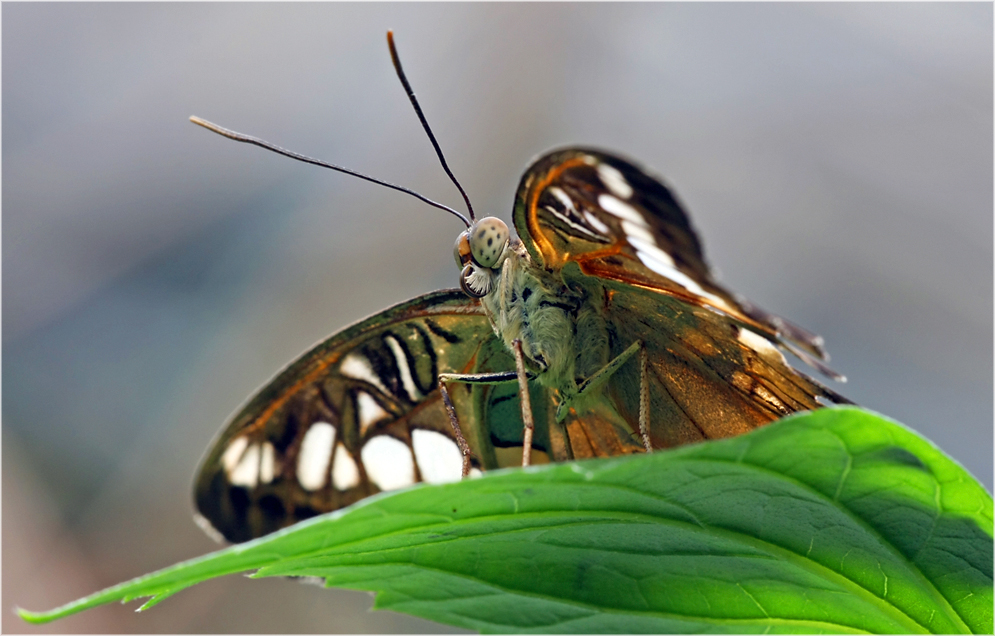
x,y
563,340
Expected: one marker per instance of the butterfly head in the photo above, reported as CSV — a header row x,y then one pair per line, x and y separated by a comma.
x,y
479,252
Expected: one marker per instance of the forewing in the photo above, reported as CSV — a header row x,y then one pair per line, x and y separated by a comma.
x,y
617,222
359,413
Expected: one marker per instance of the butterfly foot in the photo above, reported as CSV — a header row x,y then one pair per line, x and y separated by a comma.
x,y
561,412
563,408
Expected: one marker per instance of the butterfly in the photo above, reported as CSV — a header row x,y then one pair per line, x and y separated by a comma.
x,y
598,331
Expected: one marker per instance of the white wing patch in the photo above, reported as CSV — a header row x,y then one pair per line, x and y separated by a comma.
x,y
388,463
568,205
761,345
345,474
635,232
621,209
439,458
653,259
246,473
233,453
357,367
657,260
402,367
614,181
370,412
315,455
562,196
268,466
649,252
596,223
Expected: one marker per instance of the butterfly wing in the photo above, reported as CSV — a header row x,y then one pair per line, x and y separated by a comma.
x,y
714,366
617,222
359,413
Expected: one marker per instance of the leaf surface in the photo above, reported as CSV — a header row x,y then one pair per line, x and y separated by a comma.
x,y
837,521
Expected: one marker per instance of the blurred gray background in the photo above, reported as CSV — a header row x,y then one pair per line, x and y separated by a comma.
x,y
836,158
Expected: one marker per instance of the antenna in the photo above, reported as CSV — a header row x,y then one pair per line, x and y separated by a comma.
x,y
237,136
421,117
231,134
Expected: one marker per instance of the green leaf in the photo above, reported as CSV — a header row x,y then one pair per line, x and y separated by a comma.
x,y
832,521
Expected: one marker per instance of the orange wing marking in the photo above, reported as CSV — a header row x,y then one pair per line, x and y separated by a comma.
x,y
549,254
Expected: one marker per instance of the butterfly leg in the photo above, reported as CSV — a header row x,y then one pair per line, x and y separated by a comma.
x,y
526,401
460,440
604,373
478,378
644,399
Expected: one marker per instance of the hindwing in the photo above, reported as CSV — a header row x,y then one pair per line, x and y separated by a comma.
x,y
357,414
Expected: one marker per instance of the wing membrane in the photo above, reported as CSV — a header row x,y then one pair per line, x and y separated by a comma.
x,y
708,377
305,443
617,222
714,367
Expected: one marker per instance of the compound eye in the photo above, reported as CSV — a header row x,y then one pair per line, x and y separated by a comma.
x,y
488,237
462,249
